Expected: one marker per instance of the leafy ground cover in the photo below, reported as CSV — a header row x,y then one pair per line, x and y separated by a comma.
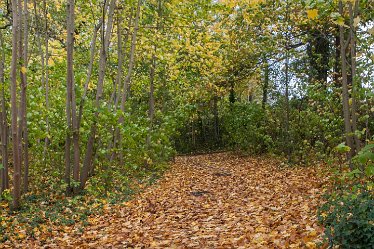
x,y
207,201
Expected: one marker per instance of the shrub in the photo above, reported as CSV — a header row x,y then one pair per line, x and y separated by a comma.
x,y
348,218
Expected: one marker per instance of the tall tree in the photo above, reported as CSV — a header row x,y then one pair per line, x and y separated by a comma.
x,y
70,96
23,132
88,160
14,106
4,174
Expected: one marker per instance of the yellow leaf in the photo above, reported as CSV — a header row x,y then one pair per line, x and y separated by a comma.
x,y
312,13
371,30
311,245
313,233
23,70
356,21
340,21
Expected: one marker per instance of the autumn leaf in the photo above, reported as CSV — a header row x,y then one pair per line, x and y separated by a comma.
x,y
23,70
312,13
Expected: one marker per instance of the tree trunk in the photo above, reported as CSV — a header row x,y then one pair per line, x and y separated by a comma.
x,y
69,94
353,15
88,162
14,108
119,85
4,175
216,120
89,71
23,118
46,76
265,86
287,97
345,93
127,81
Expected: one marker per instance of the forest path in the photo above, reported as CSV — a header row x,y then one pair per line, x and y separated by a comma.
x,y
217,201
208,201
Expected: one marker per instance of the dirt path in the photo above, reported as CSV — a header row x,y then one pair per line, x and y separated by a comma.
x,y
218,201
215,201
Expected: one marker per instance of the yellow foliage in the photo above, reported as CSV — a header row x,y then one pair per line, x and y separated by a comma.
x,y
312,13
23,70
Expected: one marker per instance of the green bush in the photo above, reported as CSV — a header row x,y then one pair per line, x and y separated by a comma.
x,y
245,128
348,218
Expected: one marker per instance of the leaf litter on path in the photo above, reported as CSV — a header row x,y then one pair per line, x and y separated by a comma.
x,y
212,201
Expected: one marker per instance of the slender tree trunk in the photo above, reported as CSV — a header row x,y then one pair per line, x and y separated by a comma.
x,y
337,67
38,35
265,86
69,93
23,116
88,160
46,75
14,108
345,98
89,71
119,85
151,112
4,175
216,120
127,81
353,15
287,97
288,145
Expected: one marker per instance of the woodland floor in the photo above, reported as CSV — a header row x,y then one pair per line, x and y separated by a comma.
x,y
212,201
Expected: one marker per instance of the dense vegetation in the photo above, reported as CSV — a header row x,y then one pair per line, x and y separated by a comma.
x,y
98,96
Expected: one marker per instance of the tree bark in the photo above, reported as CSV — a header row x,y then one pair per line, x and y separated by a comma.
x,y
46,75
89,71
127,81
69,94
353,14
265,86
4,174
119,85
88,162
345,92
23,118
287,98
14,107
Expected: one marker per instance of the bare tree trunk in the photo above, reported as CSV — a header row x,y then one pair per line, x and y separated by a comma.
x,y
123,48
151,112
46,76
4,175
345,98
288,142
69,93
127,81
23,117
119,90
41,54
216,120
353,15
14,108
88,162
265,86
126,84
89,71
117,85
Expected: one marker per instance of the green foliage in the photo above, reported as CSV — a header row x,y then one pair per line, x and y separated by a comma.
x,y
342,148
245,128
365,160
348,218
